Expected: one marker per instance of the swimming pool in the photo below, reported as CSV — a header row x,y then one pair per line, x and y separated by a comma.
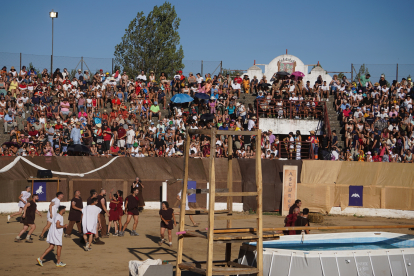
x,y
338,254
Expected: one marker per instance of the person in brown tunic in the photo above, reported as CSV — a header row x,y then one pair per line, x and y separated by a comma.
x,y
75,214
28,218
138,184
167,218
102,204
93,195
131,208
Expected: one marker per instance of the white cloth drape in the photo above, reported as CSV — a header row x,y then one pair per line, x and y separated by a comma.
x,y
11,165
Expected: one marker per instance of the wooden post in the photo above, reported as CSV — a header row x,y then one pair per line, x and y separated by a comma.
x,y
125,188
230,189
212,199
183,200
259,210
70,188
32,185
58,186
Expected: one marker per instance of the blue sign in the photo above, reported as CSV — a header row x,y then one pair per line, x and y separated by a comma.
x,y
355,196
192,185
39,188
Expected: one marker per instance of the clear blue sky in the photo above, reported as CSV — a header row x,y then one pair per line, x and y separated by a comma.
x,y
335,33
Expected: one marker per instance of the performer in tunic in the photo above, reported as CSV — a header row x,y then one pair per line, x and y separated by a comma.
x,y
138,184
90,219
28,218
102,204
120,209
24,196
53,207
186,207
131,207
113,214
54,237
75,214
167,218
93,195
290,221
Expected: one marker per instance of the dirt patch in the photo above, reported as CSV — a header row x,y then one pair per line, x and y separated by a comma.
x,y
113,257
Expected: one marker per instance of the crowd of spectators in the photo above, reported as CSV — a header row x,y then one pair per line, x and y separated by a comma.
x,y
120,115
116,114
377,119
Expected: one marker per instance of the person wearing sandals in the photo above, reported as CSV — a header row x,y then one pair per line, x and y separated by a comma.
x,y
113,214
91,216
131,208
54,237
28,218
167,218
53,207
22,202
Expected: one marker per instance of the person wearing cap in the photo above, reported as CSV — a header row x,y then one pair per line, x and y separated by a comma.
x,y
154,110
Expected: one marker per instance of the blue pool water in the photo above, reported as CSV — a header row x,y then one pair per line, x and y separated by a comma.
x,y
358,243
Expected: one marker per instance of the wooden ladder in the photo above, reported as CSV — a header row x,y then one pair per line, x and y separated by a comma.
x,y
226,267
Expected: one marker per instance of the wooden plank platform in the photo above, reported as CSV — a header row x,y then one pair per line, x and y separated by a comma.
x,y
232,238
237,194
231,268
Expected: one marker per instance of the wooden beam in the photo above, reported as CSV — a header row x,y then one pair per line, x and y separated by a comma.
x,y
246,230
203,191
212,199
237,194
259,257
236,217
71,191
235,132
183,200
230,189
204,212
199,131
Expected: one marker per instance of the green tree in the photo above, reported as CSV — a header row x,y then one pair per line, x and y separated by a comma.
x,y
362,71
340,76
151,43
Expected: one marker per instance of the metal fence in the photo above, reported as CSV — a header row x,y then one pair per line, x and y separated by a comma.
x,y
391,71
93,64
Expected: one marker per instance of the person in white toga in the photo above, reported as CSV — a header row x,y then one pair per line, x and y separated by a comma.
x,y
54,237
90,220
53,208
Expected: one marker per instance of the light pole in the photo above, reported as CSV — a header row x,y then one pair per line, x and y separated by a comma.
x,y
52,15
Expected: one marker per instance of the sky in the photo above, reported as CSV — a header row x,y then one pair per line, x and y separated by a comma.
x,y
235,32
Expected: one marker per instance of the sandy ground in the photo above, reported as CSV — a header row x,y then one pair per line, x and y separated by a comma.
x,y
112,258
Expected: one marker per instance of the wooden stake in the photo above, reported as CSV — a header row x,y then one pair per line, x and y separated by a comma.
x,y
183,200
230,190
212,199
259,250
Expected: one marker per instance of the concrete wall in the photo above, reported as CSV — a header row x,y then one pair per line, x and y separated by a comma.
x,y
284,126
313,76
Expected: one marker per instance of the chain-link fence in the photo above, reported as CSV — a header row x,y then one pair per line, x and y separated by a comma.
x,y
41,62
391,71
202,67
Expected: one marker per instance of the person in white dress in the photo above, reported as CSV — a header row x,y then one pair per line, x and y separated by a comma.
x,y
186,207
90,220
54,237
53,208
24,196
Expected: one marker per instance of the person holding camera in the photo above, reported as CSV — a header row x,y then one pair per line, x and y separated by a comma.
x,y
138,184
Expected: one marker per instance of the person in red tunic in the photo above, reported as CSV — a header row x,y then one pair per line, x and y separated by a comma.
x,y
290,221
113,214
119,208
131,207
167,218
